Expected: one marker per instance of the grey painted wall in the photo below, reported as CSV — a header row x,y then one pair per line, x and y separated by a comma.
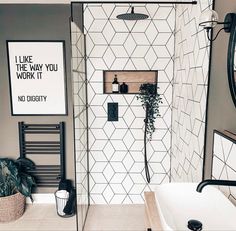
x,y
221,110
33,22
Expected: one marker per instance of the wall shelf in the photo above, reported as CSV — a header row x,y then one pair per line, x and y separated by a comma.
x,y
132,78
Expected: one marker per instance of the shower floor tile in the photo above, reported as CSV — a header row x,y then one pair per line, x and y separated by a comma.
x,y
115,218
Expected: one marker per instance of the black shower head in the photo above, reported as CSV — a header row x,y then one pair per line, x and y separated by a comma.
x,y
132,16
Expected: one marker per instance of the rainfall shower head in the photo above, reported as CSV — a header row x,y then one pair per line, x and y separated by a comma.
x,y
132,16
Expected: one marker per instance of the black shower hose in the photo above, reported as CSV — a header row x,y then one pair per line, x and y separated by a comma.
x,y
145,147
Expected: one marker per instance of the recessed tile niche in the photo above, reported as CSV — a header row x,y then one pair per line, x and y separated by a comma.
x,y
132,78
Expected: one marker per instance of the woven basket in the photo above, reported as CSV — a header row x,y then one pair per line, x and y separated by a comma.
x,y
12,207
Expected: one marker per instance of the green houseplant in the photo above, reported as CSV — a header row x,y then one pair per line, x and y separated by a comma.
x,y
15,185
150,100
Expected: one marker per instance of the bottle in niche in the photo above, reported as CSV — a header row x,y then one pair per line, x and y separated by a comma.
x,y
123,88
115,85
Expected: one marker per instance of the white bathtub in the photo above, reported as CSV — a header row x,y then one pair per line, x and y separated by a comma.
x,y
179,202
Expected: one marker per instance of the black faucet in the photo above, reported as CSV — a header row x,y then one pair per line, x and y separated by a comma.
x,y
204,183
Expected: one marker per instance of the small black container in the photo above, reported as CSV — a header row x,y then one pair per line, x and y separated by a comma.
x,y
124,88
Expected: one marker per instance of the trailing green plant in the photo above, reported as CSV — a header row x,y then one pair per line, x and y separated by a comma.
x,y
14,177
150,100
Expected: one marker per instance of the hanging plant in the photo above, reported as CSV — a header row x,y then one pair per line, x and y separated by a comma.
x,y
150,100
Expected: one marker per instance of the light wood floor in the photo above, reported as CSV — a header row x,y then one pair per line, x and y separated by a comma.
x,y
116,218
40,217
43,217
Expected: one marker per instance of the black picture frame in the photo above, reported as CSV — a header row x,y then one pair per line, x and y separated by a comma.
x,y
53,101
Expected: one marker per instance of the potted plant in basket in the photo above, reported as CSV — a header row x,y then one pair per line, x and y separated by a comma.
x,y
150,100
15,185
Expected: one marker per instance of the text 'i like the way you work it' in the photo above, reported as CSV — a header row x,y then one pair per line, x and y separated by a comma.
x,y
26,69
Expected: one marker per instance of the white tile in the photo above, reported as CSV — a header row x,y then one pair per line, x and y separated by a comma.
x,y
109,150
150,57
108,32
137,189
119,25
118,167
130,44
127,183
128,162
118,134
109,128
162,39
140,51
98,145
98,63
117,179
97,12
89,18
118,199
217,148
109,57
98,155
98,178
118,189
98,188
162,26
119,63
97,38
227,145
137,167
98,167
151,32
140,38
97,51
119,39
108,172
128,139
97,25
163,12
118,156
217,169
140,64
108,194
231,161
137,178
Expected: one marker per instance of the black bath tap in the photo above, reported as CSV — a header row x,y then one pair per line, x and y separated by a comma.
x,y
204,183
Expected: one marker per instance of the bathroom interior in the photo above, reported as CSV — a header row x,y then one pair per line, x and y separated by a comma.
x,y
124,180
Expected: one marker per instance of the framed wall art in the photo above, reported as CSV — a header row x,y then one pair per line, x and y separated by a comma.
x,y
37,77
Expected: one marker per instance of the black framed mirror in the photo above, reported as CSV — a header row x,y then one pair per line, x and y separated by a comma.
x,y
231,62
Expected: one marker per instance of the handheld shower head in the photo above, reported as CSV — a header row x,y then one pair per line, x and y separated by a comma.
x,y
132,16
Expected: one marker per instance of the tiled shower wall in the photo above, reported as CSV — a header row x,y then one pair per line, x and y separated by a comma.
x,y
189,93
224,162
116,148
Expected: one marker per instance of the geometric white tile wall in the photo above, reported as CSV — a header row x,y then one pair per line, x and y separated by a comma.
x,y
189,93
80,120
116,148
224,163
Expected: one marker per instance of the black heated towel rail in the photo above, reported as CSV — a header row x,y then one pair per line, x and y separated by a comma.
x,y
33,142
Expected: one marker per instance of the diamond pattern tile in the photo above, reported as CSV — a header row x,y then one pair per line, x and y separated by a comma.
x,y
189,92
117,160
224,163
